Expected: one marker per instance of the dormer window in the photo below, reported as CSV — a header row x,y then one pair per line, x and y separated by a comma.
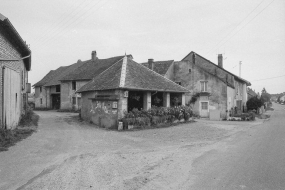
x,y
204,86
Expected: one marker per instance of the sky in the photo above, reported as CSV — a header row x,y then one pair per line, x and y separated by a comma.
x,y
61,32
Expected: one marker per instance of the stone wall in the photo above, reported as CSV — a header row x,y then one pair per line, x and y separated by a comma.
x,y
67,94
191,79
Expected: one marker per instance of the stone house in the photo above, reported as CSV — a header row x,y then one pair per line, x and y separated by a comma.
x,y
15,62
213,87
57,89
122,87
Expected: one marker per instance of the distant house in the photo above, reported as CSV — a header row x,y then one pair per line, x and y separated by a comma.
x,y
57,89
213,87
122,87
15,62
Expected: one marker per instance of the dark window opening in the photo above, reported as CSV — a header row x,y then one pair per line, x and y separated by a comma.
x,y
135,100
157,99
179,83
189,70
57,88
41,101
73,100
40,89
73,85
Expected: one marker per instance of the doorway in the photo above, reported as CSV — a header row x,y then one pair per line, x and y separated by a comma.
x,y
55,101
204,109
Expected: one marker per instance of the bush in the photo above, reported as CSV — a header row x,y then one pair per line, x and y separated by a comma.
x,y
29,118
156,115
254,103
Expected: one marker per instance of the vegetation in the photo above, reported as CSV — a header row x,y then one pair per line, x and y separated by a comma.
x,y
265,97
26,127
254,103
156,115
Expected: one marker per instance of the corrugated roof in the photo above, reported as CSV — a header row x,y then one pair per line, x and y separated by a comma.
x,y
131,75
90,69
160,67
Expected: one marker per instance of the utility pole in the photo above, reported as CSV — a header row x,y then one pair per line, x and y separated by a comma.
x,y
240,69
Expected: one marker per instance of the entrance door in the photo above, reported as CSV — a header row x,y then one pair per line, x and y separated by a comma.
x,y
204,109
55,101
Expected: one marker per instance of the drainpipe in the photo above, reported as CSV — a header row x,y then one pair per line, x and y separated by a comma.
x,y
3,72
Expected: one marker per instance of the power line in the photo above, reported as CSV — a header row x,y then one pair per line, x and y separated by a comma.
x,y
53,26
67,24
247,23
269,78
237,25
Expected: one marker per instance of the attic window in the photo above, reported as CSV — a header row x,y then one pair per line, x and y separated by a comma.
x,y
73,85
40,89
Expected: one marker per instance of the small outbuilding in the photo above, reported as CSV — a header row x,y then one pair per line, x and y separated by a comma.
x,y
124,86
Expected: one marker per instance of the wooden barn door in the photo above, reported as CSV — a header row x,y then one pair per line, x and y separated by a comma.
x,y
12,98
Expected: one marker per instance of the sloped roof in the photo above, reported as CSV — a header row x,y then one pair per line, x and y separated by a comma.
x,y
251,92
214,69
15,38
91,68
62,72
128,74
46,78
160,67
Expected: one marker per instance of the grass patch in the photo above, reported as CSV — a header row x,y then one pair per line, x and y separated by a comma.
x,y
11,137
27,125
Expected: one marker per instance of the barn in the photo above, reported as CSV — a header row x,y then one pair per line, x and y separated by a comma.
x,y
15,62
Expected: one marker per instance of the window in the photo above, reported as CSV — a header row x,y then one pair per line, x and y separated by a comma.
x,y
79,102
237,88
73,85
189,70
204,86
224,89
57,88
179,83
73,100
204,105
40,89
41,101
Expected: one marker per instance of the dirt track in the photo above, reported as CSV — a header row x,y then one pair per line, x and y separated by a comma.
x,y
65,154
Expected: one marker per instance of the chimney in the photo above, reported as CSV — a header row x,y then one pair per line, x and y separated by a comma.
x,y
150,64
93,55
220,60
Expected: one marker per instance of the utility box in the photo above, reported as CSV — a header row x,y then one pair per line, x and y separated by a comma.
x,y
215,115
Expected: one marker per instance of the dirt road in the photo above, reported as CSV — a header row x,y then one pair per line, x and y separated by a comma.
x,y
65,154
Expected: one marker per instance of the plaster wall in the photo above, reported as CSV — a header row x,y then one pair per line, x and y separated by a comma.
x,y
67,93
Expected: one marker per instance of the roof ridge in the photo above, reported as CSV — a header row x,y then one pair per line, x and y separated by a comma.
x,y
161,76
105,70
217,66
123,72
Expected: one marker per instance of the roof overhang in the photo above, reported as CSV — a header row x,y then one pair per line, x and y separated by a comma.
x,y
14,37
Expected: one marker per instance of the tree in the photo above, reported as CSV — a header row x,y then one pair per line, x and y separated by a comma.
x,y
265,97
254,103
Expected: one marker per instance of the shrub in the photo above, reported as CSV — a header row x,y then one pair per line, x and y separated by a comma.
x,y
254,103
29,118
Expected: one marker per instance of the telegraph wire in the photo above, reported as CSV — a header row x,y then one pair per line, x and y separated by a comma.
x,y
65,26
237,26
269,78
53,26
245,24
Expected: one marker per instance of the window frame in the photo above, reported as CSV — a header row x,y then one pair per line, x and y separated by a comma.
x,y
204,86
73,85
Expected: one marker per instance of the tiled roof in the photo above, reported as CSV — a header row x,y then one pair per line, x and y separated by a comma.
x,y
214,69
46,78
160,67
128,74
90,69
251,92
63,72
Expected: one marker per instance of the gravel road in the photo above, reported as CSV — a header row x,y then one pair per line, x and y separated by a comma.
x,y
67,154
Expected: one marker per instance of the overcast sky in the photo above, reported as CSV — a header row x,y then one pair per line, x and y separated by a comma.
x,y
62,31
